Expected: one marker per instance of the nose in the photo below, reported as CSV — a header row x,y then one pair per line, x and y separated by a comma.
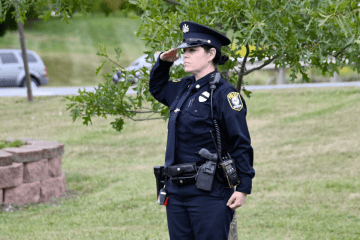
x,y
186,55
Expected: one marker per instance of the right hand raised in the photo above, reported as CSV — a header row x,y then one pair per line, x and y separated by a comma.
x,y
170,55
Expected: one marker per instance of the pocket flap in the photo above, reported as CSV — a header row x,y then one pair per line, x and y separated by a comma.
x,y
182,168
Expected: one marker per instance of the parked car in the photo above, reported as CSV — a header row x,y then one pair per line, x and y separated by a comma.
x,y
137,65
12,72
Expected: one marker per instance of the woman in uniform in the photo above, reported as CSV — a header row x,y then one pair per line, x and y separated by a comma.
x,y
193,213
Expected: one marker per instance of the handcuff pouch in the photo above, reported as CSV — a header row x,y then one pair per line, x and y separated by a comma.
x,y
182,174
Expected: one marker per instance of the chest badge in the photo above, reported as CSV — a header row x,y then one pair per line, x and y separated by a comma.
x,y
204,96
235,101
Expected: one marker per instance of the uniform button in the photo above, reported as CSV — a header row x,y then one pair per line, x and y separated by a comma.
x,y
188,86
178,169
181,181
195,111
197,86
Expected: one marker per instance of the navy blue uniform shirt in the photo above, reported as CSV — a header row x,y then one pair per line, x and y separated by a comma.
x,y
194,121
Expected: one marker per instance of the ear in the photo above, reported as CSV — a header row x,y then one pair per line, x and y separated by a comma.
x,y
212,53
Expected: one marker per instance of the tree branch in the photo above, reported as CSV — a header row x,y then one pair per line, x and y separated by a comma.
x,y
115,63
143,111
172,2
261,66
143,119
341,51
242,69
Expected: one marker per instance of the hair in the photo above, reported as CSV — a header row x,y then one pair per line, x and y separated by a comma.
x,y
218,59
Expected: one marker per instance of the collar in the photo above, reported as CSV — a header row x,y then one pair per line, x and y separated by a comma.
x,y
204,80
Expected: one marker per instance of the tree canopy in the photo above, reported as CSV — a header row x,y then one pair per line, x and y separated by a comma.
x,y
298,34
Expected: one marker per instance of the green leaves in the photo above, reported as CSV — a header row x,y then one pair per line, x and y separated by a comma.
x,y
118,52
99,68
118,124
102,51
291,32
46,16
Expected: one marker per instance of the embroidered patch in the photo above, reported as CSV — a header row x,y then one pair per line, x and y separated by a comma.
x,y
185,28
177,80
235,101
204,96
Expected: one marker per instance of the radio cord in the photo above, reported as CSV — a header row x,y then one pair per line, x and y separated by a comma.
x,y
217,129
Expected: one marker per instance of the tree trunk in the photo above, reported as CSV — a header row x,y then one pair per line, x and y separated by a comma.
x,y
281,76
335,77
24,55
233,234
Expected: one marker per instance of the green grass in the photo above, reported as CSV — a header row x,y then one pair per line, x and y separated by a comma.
x,y
69,50
307,163
13,143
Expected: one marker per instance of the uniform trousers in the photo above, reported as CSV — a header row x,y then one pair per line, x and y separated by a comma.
x,y
194,214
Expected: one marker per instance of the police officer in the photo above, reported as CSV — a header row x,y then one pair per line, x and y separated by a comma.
x,y
193,213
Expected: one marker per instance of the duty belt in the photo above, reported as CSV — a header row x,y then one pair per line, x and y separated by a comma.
x,y
182,174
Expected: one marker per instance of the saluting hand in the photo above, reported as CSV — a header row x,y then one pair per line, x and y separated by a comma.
x,y
236,200
170,55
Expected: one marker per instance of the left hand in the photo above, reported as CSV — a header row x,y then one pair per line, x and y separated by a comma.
x,y
236,200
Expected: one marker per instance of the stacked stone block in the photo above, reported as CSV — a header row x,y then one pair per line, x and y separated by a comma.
x,y
32,173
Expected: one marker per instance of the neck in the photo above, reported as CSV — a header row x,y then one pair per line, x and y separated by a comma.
x,y
204,72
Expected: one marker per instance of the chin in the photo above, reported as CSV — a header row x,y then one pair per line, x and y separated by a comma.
x,y
187,69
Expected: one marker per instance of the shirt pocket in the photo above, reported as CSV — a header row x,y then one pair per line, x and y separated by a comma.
x,y
200,110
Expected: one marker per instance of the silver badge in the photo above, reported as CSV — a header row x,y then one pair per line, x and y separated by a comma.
x,y
204,96
185,28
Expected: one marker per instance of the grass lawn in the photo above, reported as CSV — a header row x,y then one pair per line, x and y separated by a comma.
x,y
307,163
69,50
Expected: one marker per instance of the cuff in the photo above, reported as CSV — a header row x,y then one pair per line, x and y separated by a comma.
x,y
164,63
245,185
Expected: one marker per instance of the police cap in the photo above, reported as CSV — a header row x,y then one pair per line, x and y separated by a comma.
x,y
196,35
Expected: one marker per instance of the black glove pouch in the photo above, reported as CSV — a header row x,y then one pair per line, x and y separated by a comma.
x,y
182,174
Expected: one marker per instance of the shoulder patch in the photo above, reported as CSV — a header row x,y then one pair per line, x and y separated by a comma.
x,y
235,101
176,80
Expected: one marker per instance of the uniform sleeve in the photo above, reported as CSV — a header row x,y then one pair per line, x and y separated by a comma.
x,y
159,81
232,116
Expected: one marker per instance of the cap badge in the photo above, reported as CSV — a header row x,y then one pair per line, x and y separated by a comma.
x,y
204,96
185,28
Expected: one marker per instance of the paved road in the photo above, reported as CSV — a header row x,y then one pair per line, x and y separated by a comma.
x,y
46,91
62,91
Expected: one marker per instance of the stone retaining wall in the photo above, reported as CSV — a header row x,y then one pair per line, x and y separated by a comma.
x,y
31,173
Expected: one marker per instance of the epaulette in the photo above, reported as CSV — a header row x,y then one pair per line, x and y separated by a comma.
x,y
176,80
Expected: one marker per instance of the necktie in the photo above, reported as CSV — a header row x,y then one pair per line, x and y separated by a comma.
x,y
170,147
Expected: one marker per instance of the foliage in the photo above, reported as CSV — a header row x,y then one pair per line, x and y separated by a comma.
x,y
111,99
9,21
66,7
296,33
14,143
300,34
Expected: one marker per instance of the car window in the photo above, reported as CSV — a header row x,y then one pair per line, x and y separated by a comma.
x,y
30,58
8,58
